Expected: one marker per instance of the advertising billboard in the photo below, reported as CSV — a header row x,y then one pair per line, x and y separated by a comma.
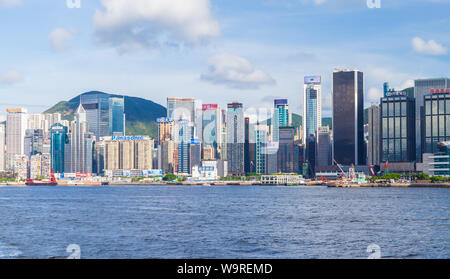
x,y
209,107
195,141
313,80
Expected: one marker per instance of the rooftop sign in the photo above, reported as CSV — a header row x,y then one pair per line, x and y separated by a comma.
x,y
439,91
313,80
126,138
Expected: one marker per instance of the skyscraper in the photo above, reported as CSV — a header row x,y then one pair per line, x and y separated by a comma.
x,y
287,160
58,139
212,127
348,117
323,147
181,108
261,133
81,143
96,109
184,134
423,87
2,146
312,105
165,129
281,117
33,142
373,146
397,127
235,138
16,125
437,119
117,116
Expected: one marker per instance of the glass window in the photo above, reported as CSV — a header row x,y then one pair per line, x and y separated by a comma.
x,y
391,150
397,108
385,150
391,127
448,106
448,125
428,126
434,107
384,109
427,145
385,127
391,109
397,127
404,128
397,150
404,149
442,125
427,107
403,108
442,106
435,126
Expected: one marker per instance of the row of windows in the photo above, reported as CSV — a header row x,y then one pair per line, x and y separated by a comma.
x,y
394,127
394,109
441,106
437,126
394,150
431,144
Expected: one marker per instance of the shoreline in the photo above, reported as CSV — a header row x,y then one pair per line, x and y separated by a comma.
x,y
239,183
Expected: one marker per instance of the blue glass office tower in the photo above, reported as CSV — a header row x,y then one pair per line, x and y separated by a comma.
x,y
104,113
117,116
281,117
58,140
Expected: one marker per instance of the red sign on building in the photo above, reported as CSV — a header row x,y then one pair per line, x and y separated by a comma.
x,y
440,91
209,107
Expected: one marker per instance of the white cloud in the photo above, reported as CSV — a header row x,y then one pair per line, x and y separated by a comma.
x,y
58,38
10,77
151,23
431,47
10,3
374,95
235,72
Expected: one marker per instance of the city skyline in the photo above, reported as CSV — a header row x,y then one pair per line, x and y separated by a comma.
x,y
182,64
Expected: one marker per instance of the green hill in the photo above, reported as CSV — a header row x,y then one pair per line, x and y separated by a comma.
x,y
297,119
141,114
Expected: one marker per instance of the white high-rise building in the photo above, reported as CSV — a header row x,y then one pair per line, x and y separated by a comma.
x,y
312,105
16,125
2,147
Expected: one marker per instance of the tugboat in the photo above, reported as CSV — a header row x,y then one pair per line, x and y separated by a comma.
x,y
43,182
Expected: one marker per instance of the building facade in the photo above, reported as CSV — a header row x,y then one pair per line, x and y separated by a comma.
x,y
348,117
235,139
423,87
281,117
437,119
312,105
397,127
373,143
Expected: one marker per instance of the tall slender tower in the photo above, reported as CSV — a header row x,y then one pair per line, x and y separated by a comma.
x,y
312,105
348,114
235,138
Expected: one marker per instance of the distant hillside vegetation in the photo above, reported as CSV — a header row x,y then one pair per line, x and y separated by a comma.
x,y
141,114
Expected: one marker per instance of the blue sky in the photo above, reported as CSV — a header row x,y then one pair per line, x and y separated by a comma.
x,y
217,51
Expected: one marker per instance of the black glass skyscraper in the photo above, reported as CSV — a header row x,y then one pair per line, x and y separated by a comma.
x,y
348,114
